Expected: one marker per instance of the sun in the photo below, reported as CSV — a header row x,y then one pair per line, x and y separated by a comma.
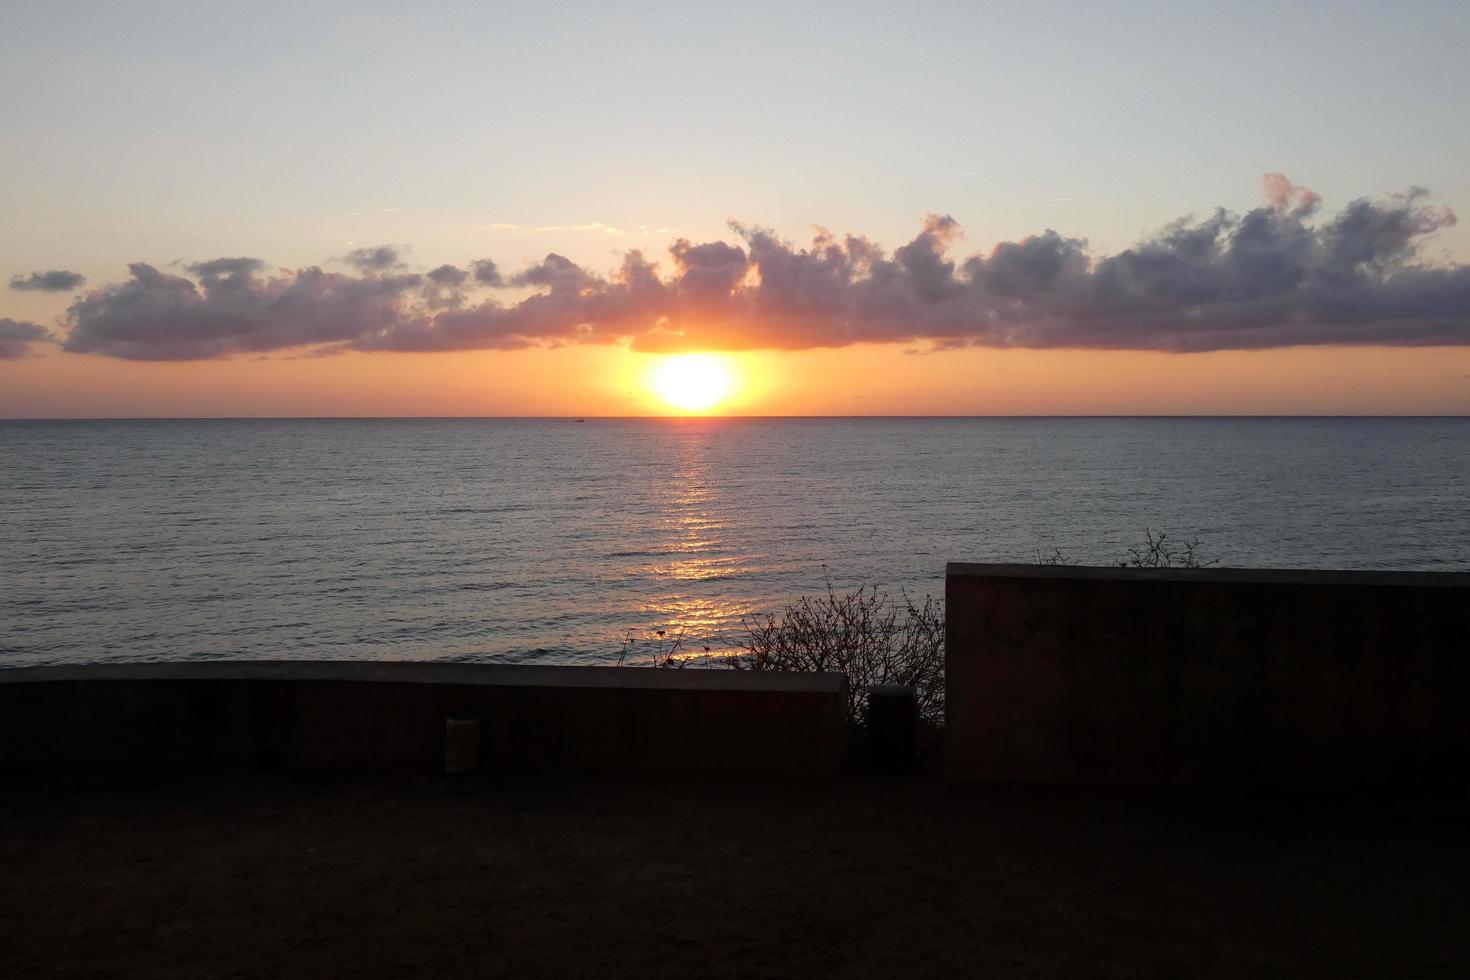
x,y
692,382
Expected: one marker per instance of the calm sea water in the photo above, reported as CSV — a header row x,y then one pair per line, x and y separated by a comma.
x,y
550,540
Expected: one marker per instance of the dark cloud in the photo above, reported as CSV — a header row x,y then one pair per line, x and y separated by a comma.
x,y
444,287
556,273
378,259
1279,275
50,281
447,275
486,272
16,337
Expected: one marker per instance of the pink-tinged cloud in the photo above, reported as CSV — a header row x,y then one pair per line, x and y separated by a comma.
x,y
1275,276
1288,198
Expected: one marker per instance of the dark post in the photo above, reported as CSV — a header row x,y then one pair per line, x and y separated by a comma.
x,y
461,744
892,717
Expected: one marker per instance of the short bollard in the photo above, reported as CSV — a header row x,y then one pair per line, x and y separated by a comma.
x,y
461,744
892,717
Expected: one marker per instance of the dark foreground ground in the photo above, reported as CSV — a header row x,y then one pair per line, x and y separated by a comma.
x,y
271,874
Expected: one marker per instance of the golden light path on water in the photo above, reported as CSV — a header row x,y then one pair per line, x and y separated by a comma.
x,y
695,547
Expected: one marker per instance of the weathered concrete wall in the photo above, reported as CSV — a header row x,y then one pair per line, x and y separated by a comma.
x,y
316,714
1070,674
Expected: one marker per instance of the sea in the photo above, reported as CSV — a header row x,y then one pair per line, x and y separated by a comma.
x,y
558,540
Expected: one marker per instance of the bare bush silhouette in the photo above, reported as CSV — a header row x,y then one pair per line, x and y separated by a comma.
x,y
1157,551
871,635
665,648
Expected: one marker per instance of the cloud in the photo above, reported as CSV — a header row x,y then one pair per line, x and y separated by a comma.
x,y
50,281
447,275
1277,276
16,337
234,308
486,272
556,273
377,259
444,287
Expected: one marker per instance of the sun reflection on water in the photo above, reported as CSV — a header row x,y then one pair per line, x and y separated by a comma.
x,y
693,549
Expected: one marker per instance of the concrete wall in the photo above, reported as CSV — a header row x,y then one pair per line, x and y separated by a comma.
x,y
315,714
1069,674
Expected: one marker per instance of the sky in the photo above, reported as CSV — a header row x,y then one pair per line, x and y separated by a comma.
x,y
928,208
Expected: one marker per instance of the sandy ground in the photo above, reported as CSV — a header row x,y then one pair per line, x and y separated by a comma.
x,y
273,874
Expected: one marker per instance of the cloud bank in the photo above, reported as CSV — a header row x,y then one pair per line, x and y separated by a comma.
x,y
1279,275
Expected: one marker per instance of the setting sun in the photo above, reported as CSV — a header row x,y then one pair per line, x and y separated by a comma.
x,y
692,382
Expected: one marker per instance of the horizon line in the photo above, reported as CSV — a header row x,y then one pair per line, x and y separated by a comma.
x,y
702,418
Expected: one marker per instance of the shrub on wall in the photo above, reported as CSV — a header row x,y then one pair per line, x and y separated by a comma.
x,y
871,635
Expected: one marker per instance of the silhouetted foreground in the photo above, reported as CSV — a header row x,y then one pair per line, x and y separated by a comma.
x,y
199,865
1206,675
277,874
322,714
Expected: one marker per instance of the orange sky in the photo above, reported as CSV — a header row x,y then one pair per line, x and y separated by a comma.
x,y
860,380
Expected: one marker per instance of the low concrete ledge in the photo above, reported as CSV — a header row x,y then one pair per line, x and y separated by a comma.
x,y
306,714
1286,677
